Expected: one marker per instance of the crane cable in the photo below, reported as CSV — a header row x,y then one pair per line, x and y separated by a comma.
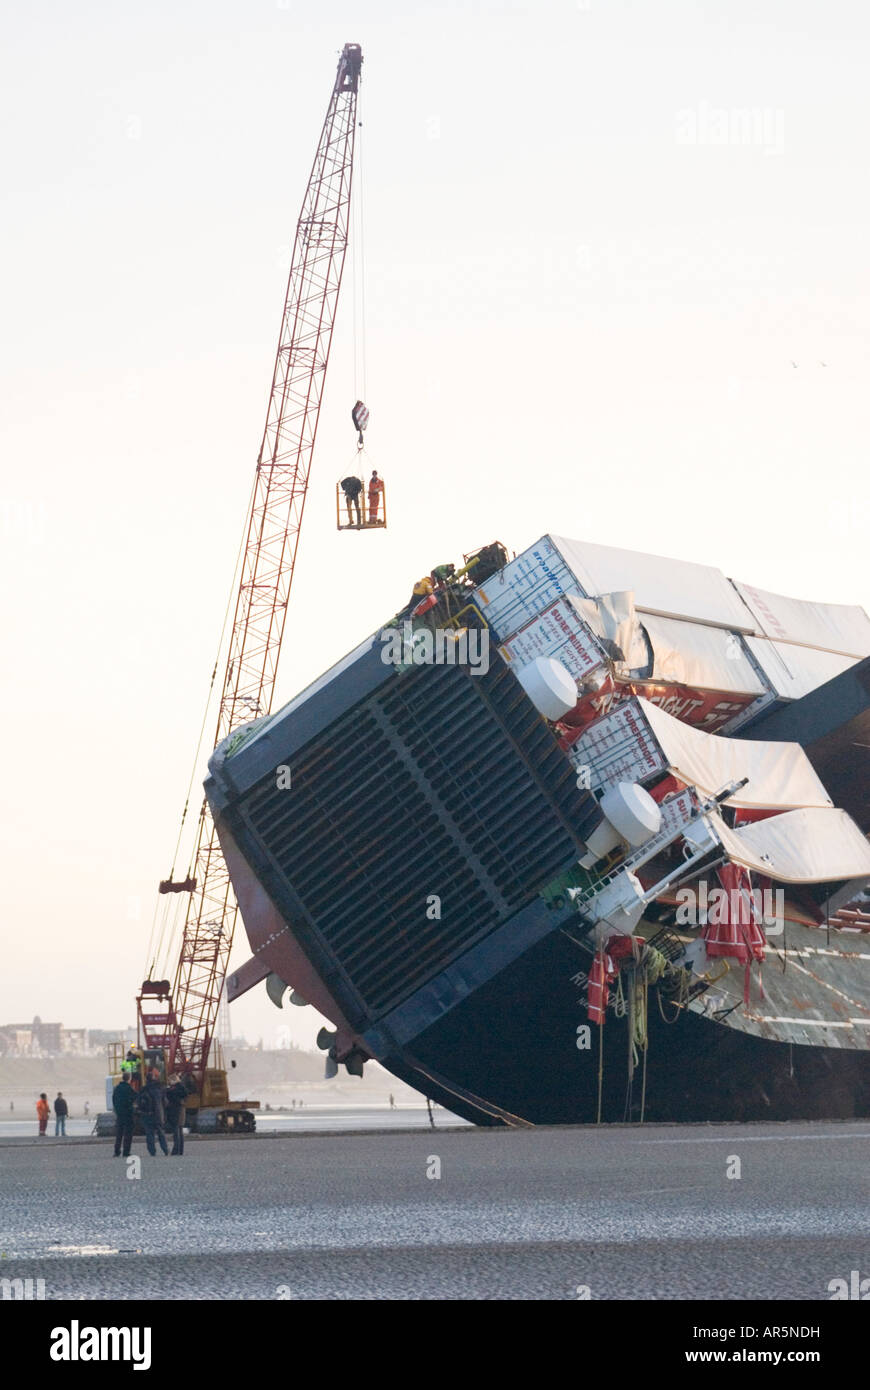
x,y
159,947
358,259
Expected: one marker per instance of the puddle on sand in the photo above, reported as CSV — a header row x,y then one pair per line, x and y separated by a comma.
x,y
85,1250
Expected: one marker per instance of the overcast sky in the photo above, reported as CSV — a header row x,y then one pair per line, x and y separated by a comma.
x,y
597,237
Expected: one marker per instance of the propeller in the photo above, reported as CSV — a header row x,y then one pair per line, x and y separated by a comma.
x,y
354,1062
275,988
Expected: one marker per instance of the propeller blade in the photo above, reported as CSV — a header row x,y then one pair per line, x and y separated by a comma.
x,y
275,988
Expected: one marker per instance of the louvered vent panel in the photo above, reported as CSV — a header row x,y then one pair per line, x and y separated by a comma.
x,y
424,789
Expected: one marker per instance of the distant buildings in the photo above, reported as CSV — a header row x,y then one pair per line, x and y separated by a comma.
x,y
38,1039
100,1038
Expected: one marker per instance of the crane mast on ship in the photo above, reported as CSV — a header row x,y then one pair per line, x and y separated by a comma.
x,y
182,1020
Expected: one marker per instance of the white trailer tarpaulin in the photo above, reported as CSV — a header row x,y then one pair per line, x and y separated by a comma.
x,y
780,774
812,845
671,588
706,658
613,619
792,671
832,627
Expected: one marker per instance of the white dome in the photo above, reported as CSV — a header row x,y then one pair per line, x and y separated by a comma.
x,y
632,812
549,685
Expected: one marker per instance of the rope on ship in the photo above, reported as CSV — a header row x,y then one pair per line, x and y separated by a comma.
x,y
643,1087
650,968
679,998
644,964
600,1071
620,1003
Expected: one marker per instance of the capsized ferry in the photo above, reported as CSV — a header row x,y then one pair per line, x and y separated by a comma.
x,y
576,836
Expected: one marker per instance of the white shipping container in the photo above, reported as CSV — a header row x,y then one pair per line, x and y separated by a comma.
x,y
619,747
677,811
525,587
558,632
748,712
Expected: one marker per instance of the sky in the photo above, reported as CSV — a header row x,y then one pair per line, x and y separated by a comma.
x,y
616,287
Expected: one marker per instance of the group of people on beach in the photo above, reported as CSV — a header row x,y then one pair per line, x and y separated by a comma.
x,y
159,1108
61,1112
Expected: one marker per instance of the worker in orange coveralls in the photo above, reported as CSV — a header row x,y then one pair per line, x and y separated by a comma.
x,y
42,1113
376,487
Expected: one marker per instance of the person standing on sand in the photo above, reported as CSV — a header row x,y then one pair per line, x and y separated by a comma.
x,y
176,1095
42,1113
123,1097
152,1114
61,1110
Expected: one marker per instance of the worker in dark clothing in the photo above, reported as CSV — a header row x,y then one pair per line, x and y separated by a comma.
x,y
176,1096
61,1110
352,488
152,1114
123,1098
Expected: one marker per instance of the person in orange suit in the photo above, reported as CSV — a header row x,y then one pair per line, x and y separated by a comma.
x,y
376,487
42,1113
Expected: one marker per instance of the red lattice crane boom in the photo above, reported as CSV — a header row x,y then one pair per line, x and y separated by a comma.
x,y
185,1020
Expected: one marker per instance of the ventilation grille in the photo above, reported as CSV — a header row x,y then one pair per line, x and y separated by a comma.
x,y
415,824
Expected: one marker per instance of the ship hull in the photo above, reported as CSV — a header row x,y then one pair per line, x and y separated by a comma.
x,y
515,1043
519,1050
409,881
